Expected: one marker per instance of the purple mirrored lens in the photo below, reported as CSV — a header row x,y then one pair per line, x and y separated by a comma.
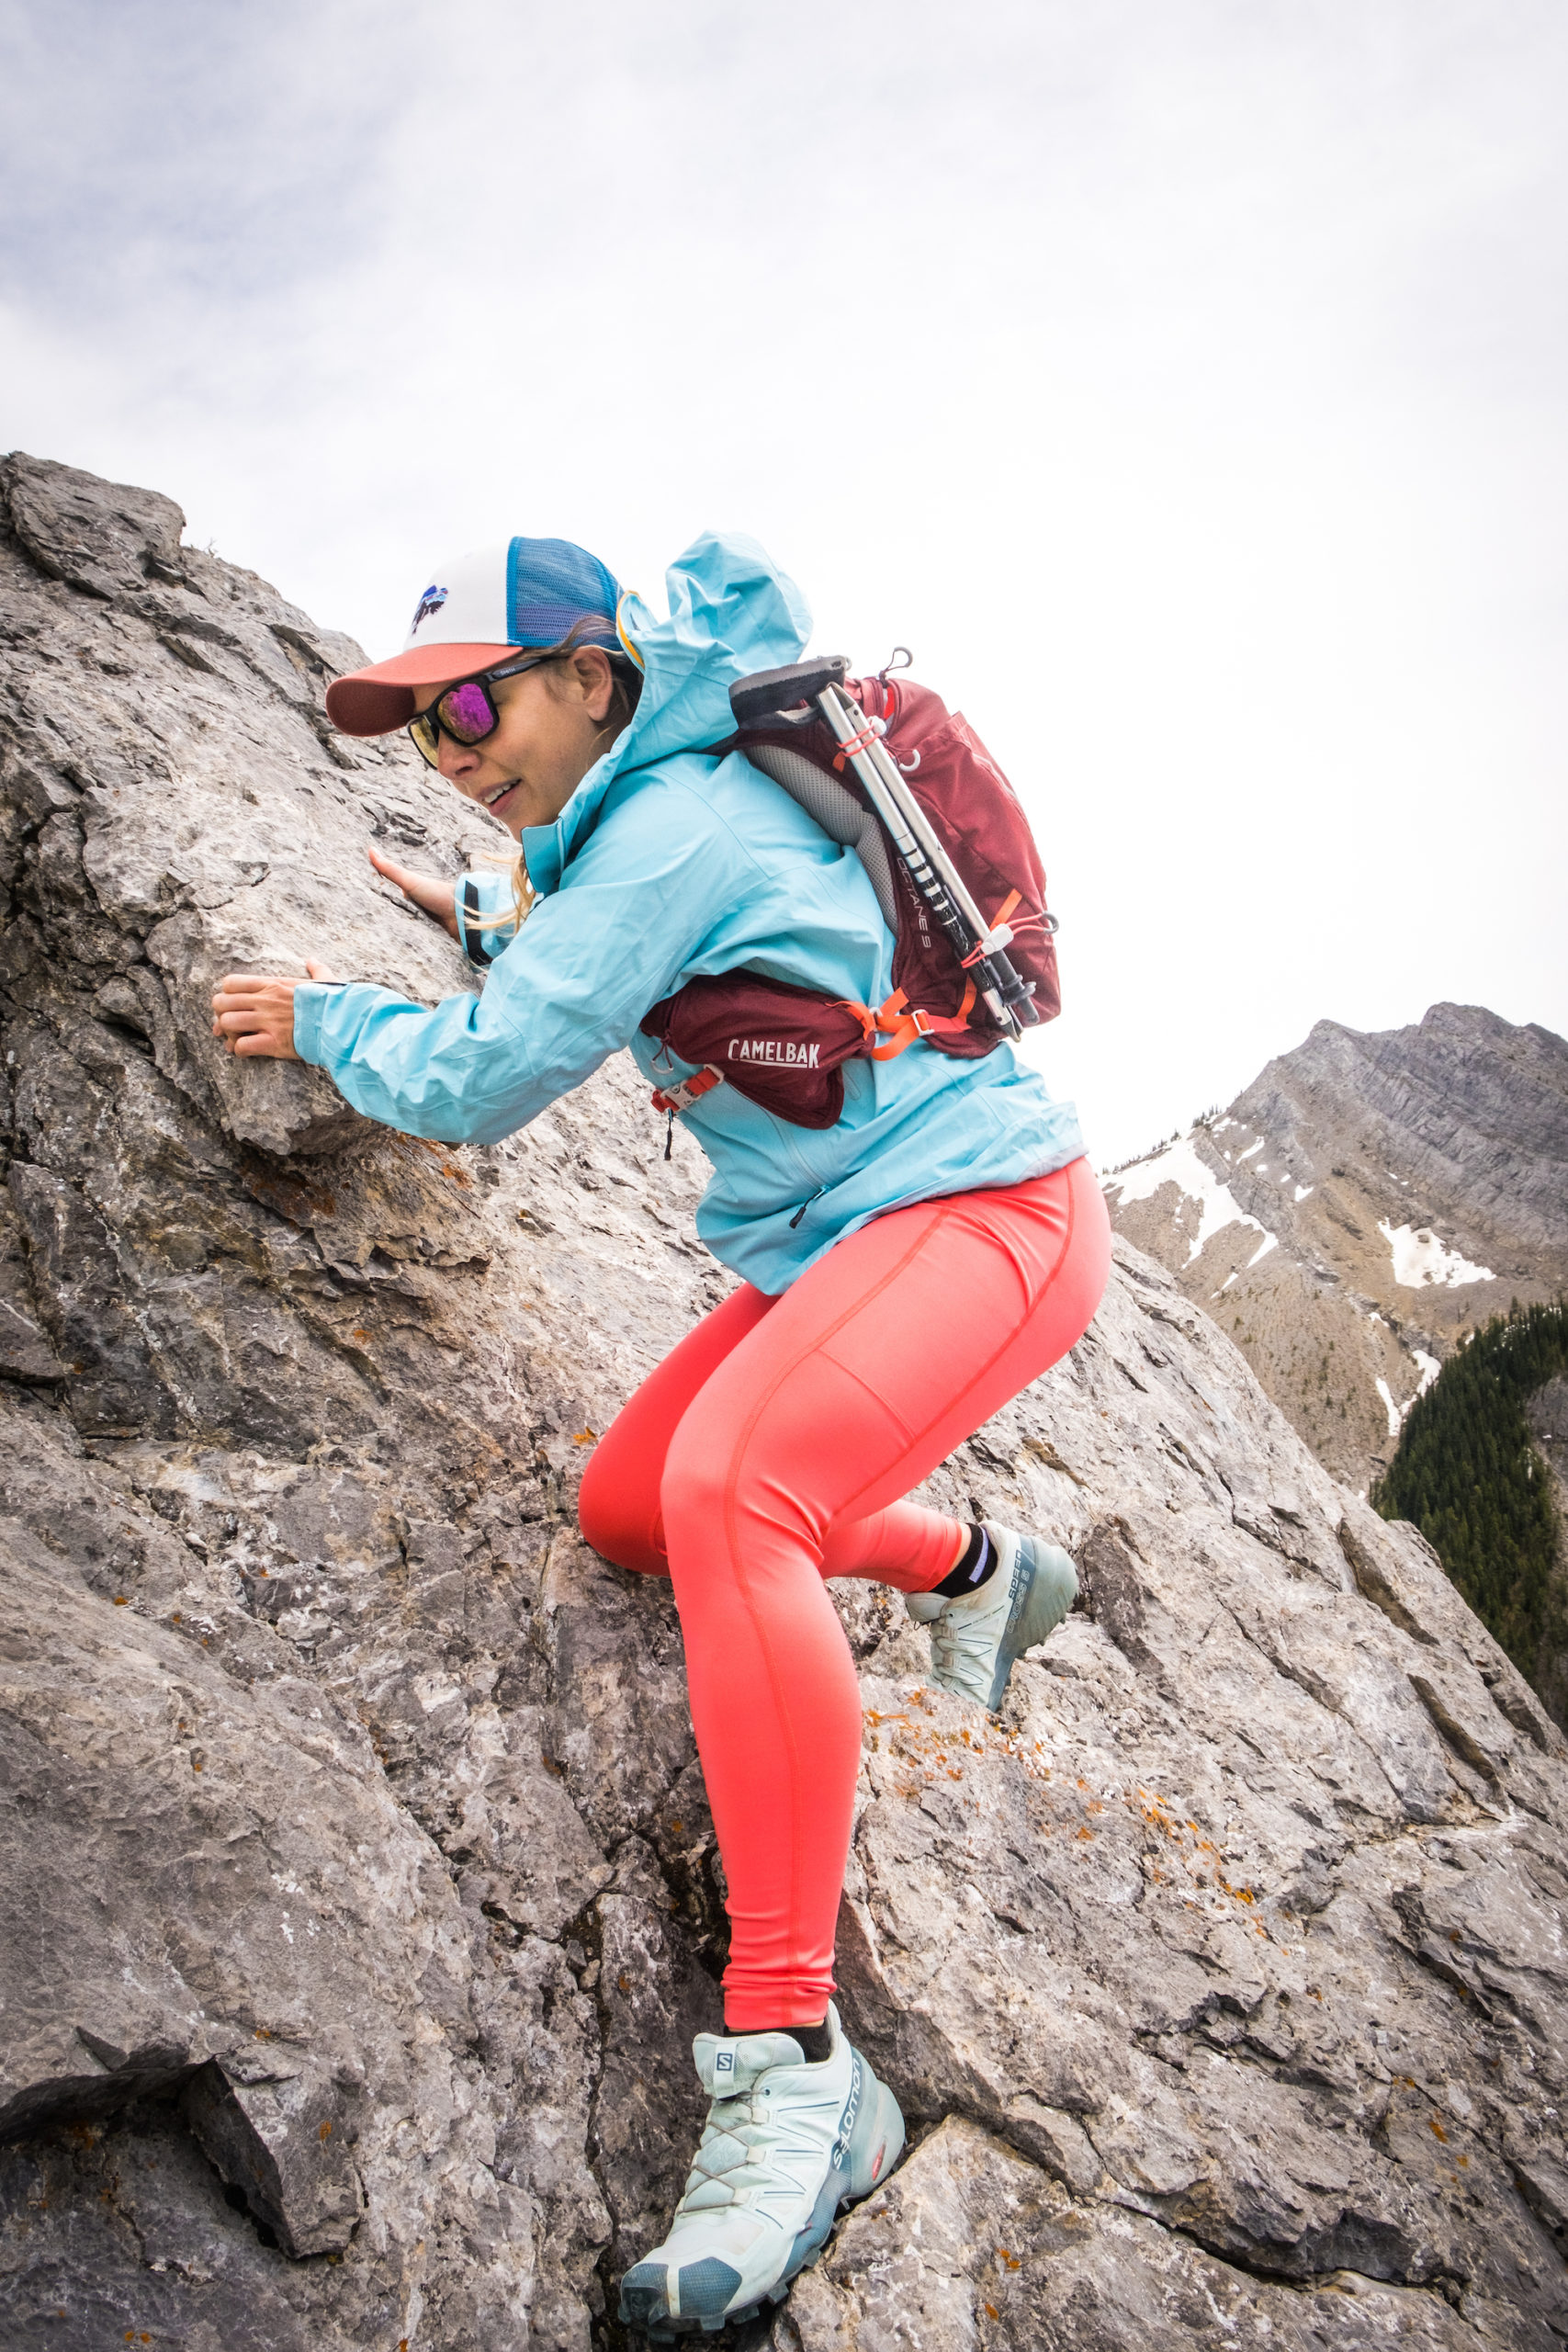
x,y
467,711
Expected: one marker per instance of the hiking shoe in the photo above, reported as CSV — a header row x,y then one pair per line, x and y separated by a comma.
x,y
978,1636
784,2145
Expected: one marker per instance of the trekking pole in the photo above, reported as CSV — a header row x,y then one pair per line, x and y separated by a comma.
x,y
980,946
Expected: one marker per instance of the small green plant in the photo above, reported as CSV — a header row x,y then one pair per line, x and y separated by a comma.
x,y
1467,1476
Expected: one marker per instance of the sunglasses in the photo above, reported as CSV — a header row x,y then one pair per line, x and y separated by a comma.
x,y
466,711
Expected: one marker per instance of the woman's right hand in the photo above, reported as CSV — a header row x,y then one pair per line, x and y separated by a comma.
x,y
433,895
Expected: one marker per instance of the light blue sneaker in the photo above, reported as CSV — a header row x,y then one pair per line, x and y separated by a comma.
x,y
784,2145
976,1637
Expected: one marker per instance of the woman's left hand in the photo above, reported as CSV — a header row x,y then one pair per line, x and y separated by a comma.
x,y
254,1014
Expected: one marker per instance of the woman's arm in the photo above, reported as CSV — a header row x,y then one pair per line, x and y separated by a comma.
x,y
658,877
253,1013
435,895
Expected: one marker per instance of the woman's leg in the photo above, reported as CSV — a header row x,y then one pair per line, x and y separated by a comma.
x,y
844,1393
618,1507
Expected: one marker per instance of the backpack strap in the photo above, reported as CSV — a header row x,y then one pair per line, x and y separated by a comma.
x,y
902,1023
681,1097
688,1091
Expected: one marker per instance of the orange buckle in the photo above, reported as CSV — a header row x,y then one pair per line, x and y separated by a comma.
x,y
689,1090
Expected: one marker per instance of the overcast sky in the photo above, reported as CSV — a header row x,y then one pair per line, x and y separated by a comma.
x,y
1183,380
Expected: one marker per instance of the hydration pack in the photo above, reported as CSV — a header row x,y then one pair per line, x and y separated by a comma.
x,y
784,1047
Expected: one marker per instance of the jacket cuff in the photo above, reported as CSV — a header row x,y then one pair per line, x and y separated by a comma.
x,y
310,1003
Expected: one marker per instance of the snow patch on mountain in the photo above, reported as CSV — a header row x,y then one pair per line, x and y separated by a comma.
x,y
1421,1261
1429,1369
1178,1164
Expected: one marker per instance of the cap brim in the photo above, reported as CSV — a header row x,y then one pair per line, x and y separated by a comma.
x,y
375,701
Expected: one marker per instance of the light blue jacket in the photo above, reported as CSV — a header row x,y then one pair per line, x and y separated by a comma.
x,y
664,864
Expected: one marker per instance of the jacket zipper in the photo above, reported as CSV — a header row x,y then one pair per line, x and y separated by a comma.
x,y
805,1205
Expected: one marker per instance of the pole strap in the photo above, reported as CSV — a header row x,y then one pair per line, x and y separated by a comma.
x,y
862,742
1000,934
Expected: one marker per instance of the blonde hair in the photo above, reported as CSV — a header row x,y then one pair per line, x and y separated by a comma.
x,y
625,680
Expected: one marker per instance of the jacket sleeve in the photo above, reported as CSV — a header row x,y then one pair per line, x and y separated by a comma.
x,y
485,905
659,872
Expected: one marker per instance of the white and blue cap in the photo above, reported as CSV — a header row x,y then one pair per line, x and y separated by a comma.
x,y
478,608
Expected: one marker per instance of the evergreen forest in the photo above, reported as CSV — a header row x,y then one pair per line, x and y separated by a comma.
x,y
1468,1475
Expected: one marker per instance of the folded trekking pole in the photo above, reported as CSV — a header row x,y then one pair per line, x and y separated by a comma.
x,y
980,946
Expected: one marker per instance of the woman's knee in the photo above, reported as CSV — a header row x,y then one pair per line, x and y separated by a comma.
x,y
714,1478
698,1483
1089,1270
619,1516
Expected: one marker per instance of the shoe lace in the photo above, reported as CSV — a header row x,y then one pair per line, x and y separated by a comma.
x,y
963,1639
725,2160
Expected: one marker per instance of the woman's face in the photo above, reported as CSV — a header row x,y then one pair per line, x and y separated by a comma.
x,y
552,729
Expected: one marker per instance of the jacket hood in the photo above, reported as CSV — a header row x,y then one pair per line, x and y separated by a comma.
x,y
731,612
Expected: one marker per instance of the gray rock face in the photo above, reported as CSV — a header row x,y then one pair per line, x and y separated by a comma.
x,y
358,1893
1364,1203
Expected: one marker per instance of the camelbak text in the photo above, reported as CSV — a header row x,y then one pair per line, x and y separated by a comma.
x,y
774,1049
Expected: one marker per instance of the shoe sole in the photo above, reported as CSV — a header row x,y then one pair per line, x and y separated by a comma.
x,y
875,2144
1041,1597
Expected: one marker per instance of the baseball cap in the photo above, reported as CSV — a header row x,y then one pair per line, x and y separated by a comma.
x,y
477,609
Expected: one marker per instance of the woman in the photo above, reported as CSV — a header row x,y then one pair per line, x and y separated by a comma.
x,y
905,1273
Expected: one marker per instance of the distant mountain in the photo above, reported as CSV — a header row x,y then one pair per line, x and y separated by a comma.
x,y
1363,1202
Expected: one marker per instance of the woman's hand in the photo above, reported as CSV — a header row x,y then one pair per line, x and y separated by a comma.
x,y
254,1014
430,894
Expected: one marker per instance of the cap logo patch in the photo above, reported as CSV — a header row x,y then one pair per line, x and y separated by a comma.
x,y
431,602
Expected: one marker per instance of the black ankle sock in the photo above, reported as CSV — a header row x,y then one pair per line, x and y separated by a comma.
x,y
815,2040
977,1567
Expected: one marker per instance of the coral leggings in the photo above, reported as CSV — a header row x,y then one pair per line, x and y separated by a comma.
x,y
769,1451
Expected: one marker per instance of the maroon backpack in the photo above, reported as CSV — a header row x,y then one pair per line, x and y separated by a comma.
x,y
783,1046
